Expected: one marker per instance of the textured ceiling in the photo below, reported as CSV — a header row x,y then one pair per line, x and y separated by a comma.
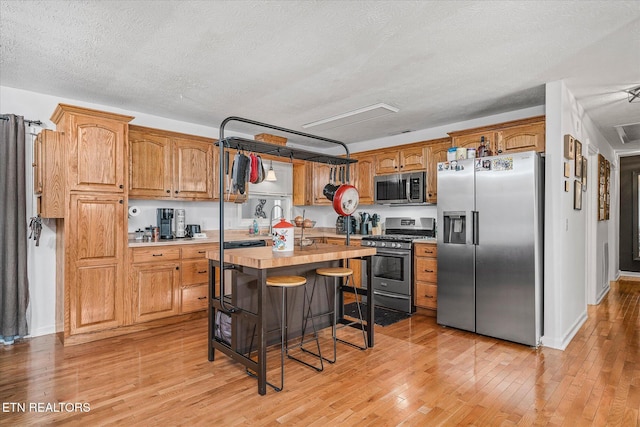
x,y
295,62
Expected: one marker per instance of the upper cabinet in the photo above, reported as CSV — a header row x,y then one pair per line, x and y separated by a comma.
x,y
364,171
95,144
436,153
168,165
508,137
400,160
49,173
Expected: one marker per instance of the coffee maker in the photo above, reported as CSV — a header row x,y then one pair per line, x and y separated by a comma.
x,y
165,222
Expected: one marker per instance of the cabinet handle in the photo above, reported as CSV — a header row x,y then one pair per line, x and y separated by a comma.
x,y
428,296
428,271
176,191
120,201
177,268
201,252
202,297
121,186
168,191
156,255
202,272
428,251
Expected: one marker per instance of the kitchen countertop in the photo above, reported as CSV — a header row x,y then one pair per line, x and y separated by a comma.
x,y
236,235
265,257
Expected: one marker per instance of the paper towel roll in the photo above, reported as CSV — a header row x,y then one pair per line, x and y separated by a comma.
x,y
134,211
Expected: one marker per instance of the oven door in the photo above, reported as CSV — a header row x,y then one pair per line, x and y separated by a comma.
x,y
391,279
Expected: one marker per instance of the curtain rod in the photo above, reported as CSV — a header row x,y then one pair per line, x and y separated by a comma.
x,y
27,121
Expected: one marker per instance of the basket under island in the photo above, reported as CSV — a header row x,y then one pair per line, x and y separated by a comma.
x,y
253,309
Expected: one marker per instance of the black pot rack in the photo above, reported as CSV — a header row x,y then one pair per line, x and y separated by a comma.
x,y
261,147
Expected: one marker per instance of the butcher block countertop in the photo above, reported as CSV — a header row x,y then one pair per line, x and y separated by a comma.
x,y
265,257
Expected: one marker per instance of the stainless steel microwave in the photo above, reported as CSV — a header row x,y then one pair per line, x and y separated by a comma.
x,y
400,188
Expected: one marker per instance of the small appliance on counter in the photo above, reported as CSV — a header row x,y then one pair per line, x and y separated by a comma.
x,y
192,230
341,225
180,223
165,222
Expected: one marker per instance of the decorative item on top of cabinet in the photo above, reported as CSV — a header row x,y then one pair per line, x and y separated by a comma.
x,y
170,165
508,137
426,275
400,160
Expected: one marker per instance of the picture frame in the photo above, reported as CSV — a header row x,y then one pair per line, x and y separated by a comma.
x,y
567,186
577,195
567,169
569,147
584,174
579,160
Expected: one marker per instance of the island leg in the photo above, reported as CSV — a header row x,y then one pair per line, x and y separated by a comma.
x,y
262,332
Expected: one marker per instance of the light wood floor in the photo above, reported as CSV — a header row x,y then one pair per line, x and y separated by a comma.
x,y
418,374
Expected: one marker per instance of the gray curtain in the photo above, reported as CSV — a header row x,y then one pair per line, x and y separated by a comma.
x,y
14,286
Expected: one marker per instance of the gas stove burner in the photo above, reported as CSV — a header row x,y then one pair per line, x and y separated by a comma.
x,y
391,238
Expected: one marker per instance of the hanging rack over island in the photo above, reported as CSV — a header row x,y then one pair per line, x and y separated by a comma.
x,y
228,307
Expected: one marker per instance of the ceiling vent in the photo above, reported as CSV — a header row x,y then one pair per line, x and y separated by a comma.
x,y
351,117
629,133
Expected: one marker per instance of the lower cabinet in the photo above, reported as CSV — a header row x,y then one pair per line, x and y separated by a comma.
x,y
169,280
425,266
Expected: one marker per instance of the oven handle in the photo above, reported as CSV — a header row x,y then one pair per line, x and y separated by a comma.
x,y
388,295
383,252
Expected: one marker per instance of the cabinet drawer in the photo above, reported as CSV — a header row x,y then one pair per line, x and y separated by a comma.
x,y
194,298
426,295
155,254
199,251
420,249
195,271
427,269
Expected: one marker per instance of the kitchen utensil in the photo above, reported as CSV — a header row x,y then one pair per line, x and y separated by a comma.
x,y
192,230
346,199
329,190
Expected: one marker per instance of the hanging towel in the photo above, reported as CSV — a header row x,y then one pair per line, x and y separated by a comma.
x,y
253,174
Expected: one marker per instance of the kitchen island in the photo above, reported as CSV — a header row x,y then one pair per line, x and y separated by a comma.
x,y
257,264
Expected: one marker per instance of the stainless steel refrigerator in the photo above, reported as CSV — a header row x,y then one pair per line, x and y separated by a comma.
x,y
490,248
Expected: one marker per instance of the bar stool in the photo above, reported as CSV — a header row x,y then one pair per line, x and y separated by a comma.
x,y
337,273
285,282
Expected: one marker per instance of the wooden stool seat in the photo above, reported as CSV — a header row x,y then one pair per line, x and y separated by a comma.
x,y
286,281
334,271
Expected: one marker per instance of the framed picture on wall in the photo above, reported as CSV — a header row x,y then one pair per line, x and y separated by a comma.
x,y
569,147
567,169
578,165
577,195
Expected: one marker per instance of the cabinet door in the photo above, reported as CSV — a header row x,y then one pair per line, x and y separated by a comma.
x,y
193,169
155,291
412,159
387,162
436,153
365,171
95,262
320,179
522,138
96,154
49,173
472,140
302,181
149,165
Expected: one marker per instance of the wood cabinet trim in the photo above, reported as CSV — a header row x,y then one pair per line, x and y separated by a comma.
x,y
497,126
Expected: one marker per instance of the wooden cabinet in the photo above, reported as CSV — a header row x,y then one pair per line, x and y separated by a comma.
x,y
169,165
364,174
436,153
426,275
194,286
508,137
94,267
95,150
302,176
401,160
155,282
49,174
320,178
515,139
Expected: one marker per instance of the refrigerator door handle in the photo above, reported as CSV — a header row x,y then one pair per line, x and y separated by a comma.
x,y
476,228
408,189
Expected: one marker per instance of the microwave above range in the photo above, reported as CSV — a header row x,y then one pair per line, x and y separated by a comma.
x,y
400,188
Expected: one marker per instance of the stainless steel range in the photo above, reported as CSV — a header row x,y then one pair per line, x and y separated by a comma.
x,y
392,266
